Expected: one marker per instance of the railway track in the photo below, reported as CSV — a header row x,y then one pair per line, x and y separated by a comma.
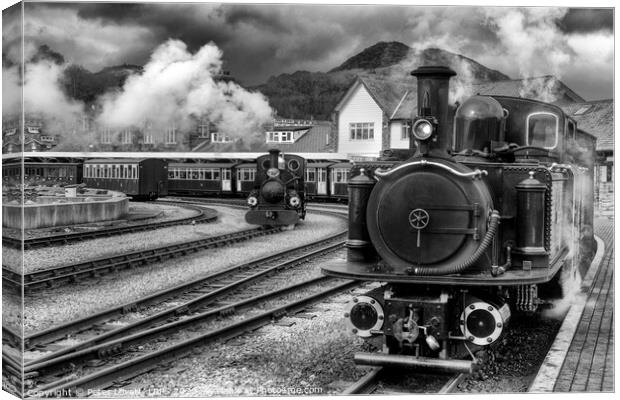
x,y
203,216
53,277
219,302
369,383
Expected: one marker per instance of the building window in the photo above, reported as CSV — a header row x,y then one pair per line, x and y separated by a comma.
x,y
106,136
220,138
280,137
171,135
126,136
203,128
362,130
606,173
148,133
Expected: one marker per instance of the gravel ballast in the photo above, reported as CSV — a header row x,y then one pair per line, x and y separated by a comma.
x,y
53,307
228,221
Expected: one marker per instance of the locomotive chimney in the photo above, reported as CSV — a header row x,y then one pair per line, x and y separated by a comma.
x,y
273,158
433,90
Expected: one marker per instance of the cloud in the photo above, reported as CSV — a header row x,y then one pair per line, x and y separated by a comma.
x,y
265,40
90,43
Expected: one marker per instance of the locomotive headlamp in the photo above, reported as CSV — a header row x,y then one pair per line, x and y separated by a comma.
x,y
273,172
294,201
423,129
482,323
252,201
364,315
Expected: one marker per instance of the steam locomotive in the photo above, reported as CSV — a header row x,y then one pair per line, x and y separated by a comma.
x,y
488,216
278,196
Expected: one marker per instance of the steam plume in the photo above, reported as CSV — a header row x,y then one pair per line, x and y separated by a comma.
x,y
177,87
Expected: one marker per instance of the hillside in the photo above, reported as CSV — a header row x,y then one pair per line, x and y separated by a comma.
x,y
304,94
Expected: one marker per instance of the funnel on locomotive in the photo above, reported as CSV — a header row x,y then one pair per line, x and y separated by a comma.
x,y
431,128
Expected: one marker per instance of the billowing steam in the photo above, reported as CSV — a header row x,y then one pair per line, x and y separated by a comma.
x,y
178,88
523,42
42,93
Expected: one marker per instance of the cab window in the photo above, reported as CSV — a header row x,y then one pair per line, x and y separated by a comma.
x,y
542,130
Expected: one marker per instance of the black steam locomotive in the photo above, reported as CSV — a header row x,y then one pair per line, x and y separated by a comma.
x,y
484,219
278,196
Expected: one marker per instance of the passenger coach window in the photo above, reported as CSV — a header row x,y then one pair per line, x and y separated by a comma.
x,y
311,174
542,130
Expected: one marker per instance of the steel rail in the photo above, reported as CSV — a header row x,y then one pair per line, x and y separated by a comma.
x,y
366,384
57,332
140,365
32,243
98,349
73,272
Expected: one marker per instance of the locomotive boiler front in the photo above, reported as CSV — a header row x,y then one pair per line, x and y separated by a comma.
x,y
273,188
430,217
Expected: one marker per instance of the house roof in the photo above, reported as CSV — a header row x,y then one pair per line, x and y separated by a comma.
x,y
544,88
596,118
397,97
313,141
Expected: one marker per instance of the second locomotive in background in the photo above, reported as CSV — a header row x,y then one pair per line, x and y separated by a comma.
x,y
278,196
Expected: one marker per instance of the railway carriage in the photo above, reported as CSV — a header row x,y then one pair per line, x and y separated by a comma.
x,y
487,217
245,175
201,178
138,178
317,186
42,172
338,180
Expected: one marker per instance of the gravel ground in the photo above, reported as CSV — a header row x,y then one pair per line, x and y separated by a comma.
x,y
512,365
298,274
52,307
306,357
47,257
229,221
11,310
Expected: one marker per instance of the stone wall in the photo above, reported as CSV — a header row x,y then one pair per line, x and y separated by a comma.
x,y
77,211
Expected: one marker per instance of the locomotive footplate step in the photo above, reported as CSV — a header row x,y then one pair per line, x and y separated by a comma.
x,y
368,270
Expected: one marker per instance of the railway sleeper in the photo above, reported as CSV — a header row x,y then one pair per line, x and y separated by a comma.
x,y
129,308
108,351
227,312
181,310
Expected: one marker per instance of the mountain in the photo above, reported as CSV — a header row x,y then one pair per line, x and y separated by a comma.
x,y
379,55
315,94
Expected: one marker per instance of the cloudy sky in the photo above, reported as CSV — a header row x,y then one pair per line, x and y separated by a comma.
x,y
259,41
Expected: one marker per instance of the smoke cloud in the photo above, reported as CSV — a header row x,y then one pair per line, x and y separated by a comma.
x,y
42,95
179,87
